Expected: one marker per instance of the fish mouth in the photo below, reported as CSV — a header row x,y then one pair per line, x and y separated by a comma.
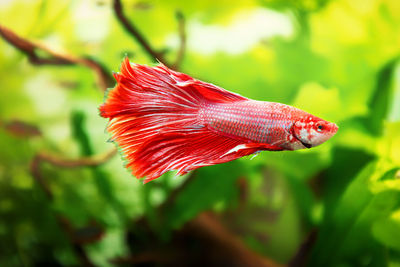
x,y
305,144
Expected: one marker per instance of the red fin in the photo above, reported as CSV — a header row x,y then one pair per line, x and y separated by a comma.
x,y
153,117
208,91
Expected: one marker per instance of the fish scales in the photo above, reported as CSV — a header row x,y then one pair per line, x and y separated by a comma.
x,y
257,121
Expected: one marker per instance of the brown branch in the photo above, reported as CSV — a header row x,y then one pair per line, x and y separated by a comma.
x,y
303,253
74,163
182,40
206,225
134,31
21,129
64,163
203,241
30,49
37,175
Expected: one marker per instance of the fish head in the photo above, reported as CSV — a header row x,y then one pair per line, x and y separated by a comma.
x,y
312,131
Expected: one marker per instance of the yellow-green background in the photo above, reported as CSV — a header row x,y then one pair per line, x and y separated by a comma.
x,y
339,61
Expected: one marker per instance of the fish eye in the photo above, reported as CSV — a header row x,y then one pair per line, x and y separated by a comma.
x,y
320,127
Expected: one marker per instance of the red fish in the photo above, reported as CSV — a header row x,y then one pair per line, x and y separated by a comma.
x,y
165,120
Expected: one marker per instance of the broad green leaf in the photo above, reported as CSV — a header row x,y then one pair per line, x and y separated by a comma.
x,y
346,165
344,215
344,236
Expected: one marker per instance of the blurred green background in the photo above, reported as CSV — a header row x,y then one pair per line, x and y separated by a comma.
x,y
334,205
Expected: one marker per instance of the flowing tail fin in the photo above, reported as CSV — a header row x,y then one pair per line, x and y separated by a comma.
x,y
154,118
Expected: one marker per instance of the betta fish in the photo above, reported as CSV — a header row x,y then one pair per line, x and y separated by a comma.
x,y
165,120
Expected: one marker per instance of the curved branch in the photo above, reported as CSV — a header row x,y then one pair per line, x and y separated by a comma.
x,y
64,163
30,49
74,163
131,28
37,175
182,40
206,225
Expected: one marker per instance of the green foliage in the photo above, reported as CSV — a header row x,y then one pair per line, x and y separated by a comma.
x,y
217,186
337,59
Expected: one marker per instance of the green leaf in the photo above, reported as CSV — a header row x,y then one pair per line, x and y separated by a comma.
x,y
346,164
379,102
347,235
211,186
101,178
333,231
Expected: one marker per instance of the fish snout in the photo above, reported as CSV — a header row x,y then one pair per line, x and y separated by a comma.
x,y
333,128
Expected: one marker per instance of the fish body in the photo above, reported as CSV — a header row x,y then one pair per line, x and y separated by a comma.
x,y
165,120
255,121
